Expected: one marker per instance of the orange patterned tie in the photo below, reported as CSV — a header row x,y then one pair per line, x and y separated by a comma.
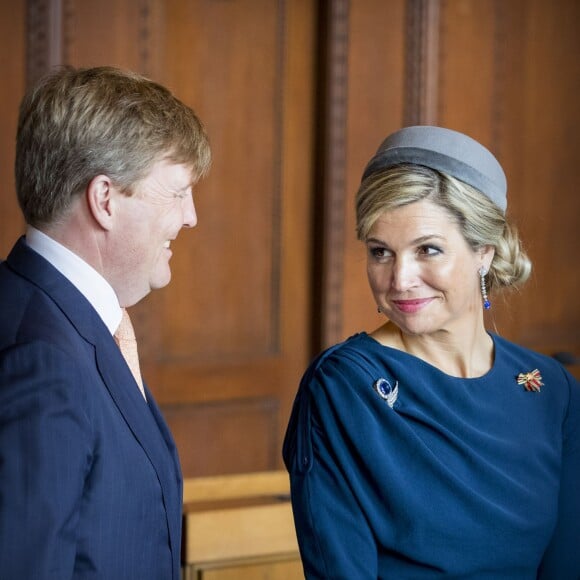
x,y
125,338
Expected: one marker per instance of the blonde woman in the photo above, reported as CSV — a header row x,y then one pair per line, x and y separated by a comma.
x,y
431,447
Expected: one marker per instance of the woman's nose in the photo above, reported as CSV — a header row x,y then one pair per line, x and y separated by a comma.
x,y
404,274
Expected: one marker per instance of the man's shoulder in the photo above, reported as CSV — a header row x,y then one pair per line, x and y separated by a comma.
x,y
27,313
15,296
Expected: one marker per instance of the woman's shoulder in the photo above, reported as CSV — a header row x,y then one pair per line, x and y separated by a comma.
x,y
514,350
349,375
338,388
529,365
349,349
360,353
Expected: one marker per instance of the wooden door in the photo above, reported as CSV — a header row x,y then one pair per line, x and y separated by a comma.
x,y
223,347
226,343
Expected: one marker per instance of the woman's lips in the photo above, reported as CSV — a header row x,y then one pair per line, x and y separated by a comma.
x,y
411,306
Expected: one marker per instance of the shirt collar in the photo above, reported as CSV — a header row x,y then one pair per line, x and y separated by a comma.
x,y
86,279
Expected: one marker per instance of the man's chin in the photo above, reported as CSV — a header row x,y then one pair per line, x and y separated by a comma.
x,y
161,281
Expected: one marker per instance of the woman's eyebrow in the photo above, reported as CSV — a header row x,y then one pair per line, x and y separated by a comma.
x,y
419,240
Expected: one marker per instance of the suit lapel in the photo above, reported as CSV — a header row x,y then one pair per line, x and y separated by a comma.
x,y
143,419
145,425
164,429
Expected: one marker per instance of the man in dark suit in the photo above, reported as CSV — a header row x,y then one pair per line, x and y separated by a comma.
x,y
90,483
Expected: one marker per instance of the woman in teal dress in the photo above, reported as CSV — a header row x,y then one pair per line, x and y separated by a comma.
x,y
432,448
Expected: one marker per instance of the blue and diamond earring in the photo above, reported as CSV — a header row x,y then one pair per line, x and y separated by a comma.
x,y
486,302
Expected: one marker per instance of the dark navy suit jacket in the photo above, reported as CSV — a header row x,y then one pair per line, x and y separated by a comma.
x,y
90,483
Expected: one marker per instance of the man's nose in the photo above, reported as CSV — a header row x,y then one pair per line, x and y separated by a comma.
x,y
189,213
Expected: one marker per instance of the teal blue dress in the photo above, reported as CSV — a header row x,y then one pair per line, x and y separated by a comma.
x,y
399,471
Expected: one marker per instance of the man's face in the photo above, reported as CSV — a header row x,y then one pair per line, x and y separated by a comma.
x,y
147,222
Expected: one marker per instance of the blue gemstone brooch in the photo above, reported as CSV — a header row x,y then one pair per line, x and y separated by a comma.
x,y
386,391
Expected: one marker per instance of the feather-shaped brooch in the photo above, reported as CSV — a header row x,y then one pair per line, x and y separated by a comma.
x,y
386,391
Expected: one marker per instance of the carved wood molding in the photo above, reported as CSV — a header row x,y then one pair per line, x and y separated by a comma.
x,y
422,62
50,35
276,264
145,35
44,37
499,77
334,164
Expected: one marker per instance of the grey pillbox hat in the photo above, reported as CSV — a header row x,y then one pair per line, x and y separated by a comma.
x,y
444,150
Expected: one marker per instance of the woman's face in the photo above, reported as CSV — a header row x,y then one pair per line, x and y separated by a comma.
x,y
423,274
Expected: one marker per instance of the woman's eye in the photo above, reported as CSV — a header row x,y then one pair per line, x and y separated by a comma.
x,y
378,252
429,250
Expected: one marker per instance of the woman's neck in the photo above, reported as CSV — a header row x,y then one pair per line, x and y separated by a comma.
x,y
468,354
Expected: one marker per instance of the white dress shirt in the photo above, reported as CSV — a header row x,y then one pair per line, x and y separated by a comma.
x,y
84,277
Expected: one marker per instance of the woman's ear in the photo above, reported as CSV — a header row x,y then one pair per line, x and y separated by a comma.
x,y
100,200
486,254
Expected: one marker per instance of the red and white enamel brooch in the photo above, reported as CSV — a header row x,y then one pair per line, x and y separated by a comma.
x,y
531,381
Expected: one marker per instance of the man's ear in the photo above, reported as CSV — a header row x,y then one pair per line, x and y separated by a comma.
x,y
100,200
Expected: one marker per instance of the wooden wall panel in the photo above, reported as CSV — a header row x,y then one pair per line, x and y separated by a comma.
x,y
13,66
231,332
122,33
468,69
502,81
506,73
260,284
231,428
239,55
376,105
234,324
365,101
471,90
548,189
